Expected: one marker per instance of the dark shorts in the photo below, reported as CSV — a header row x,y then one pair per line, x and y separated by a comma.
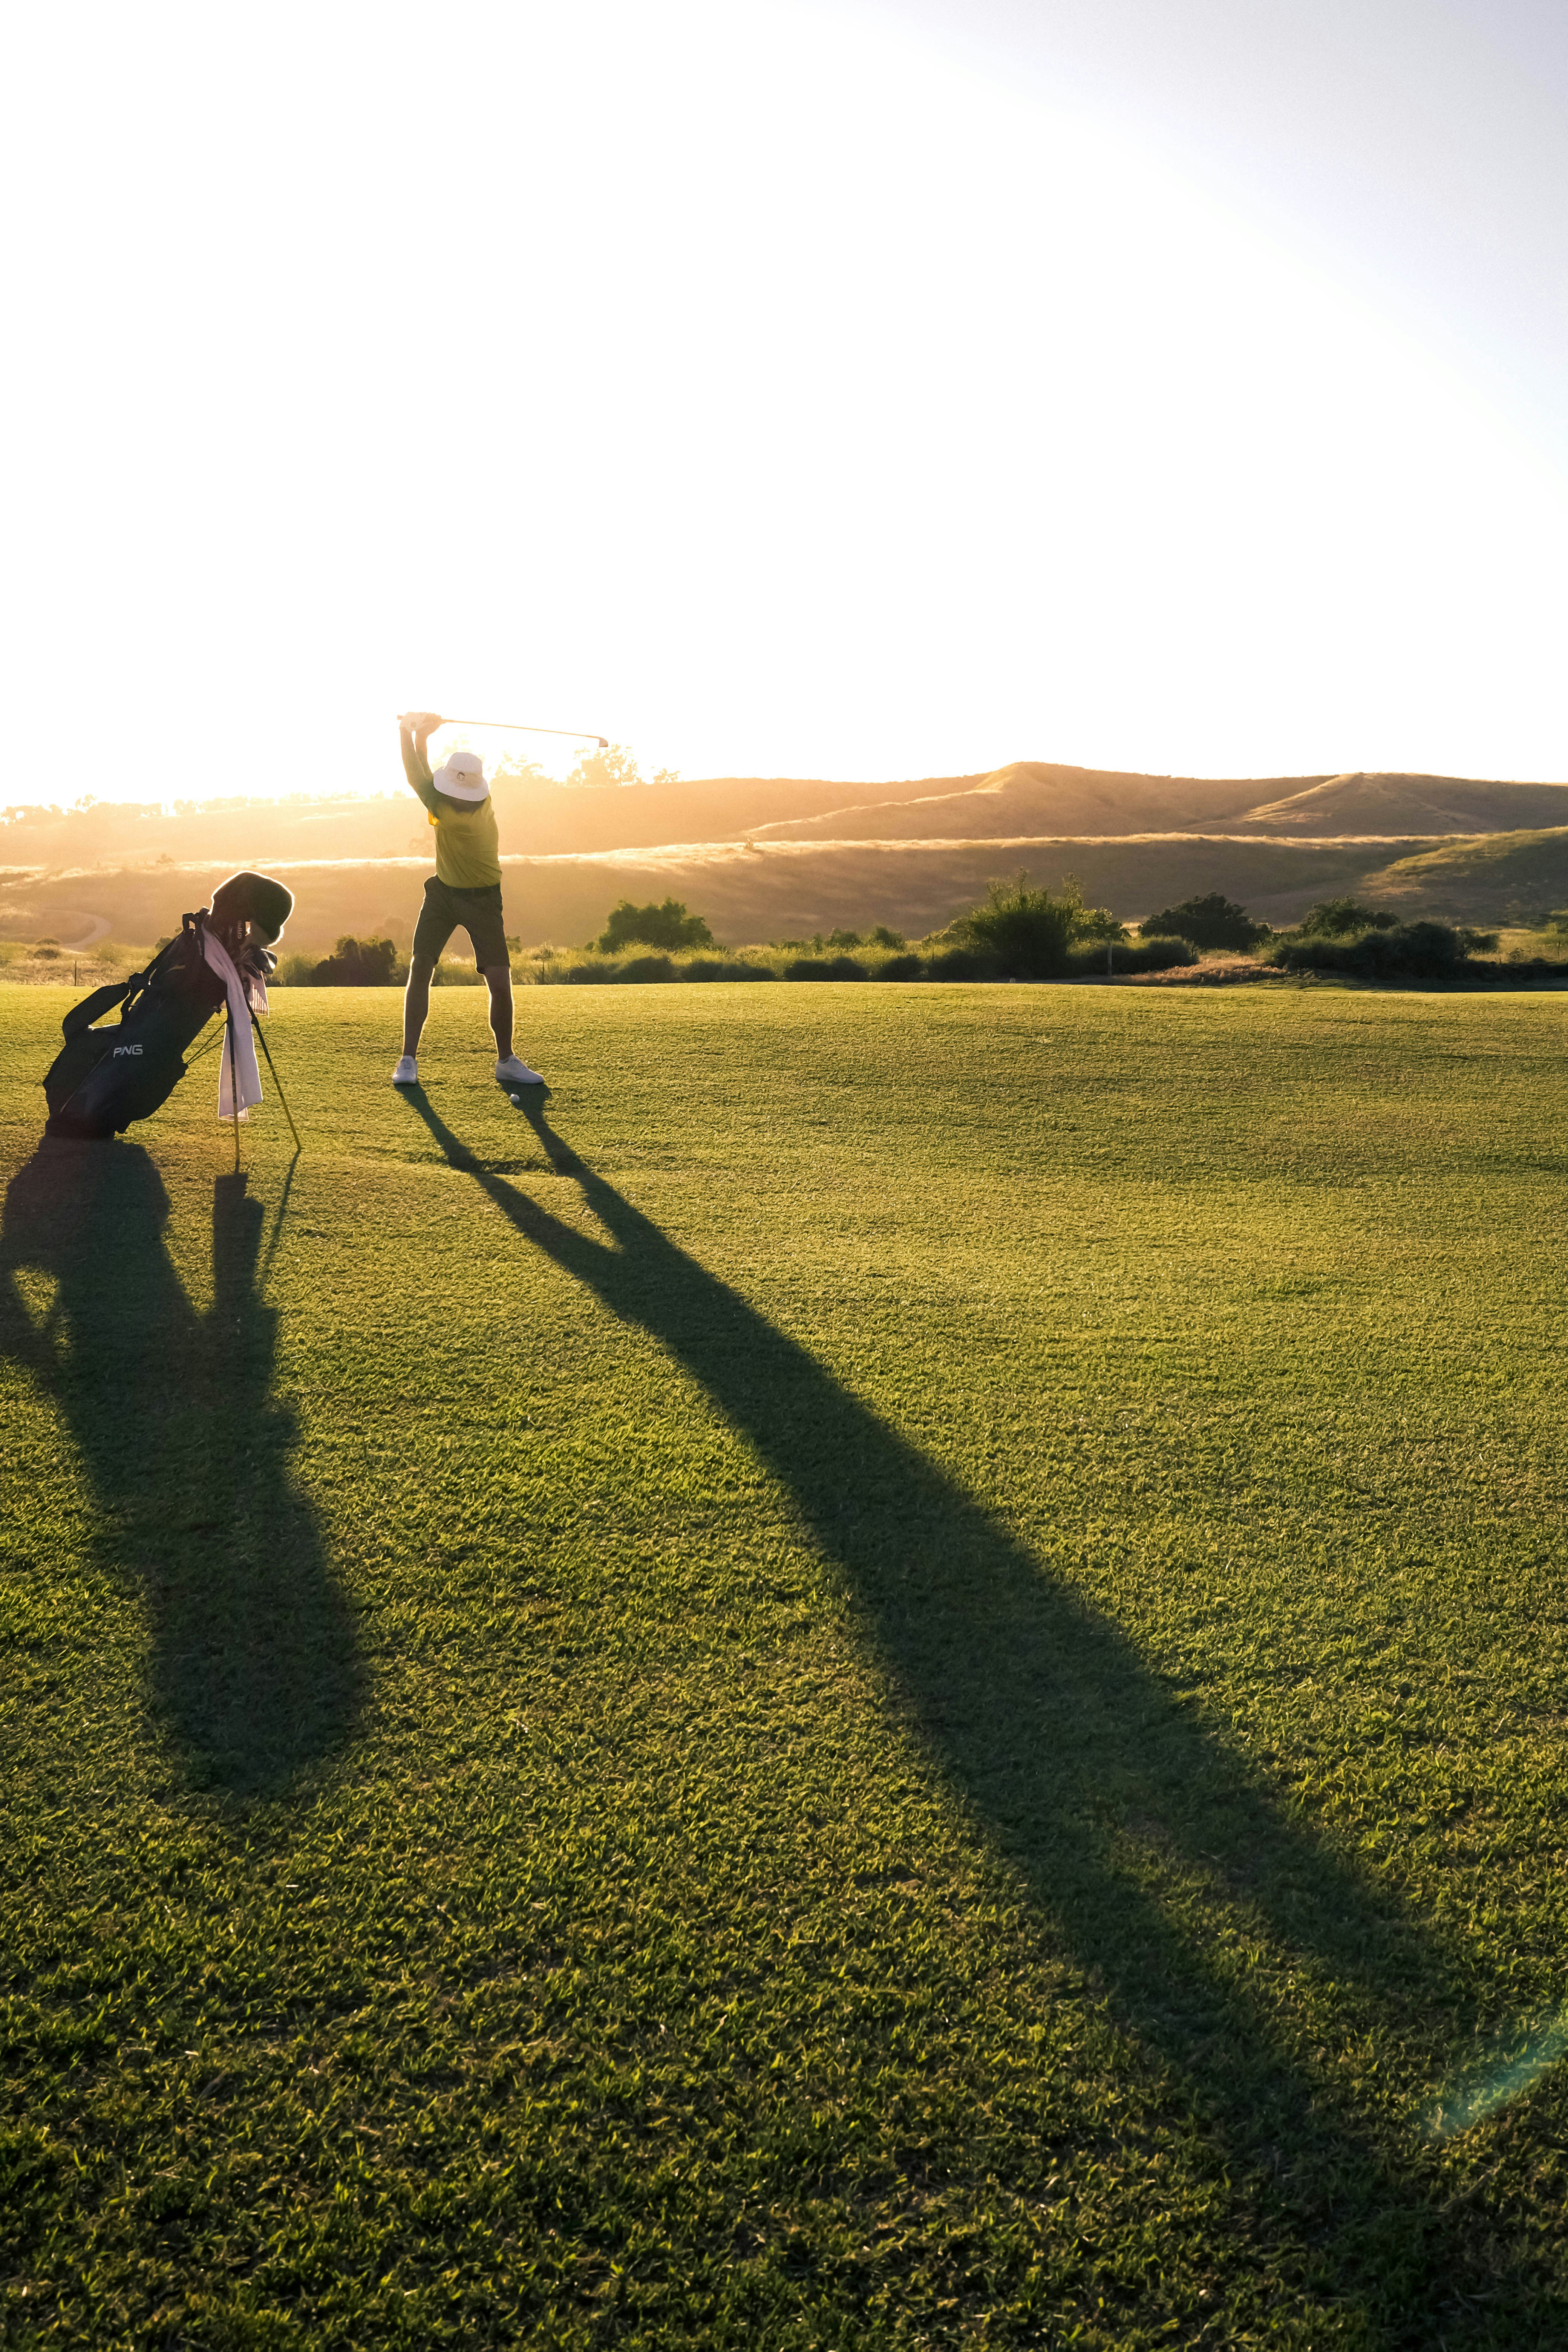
x,y
478,912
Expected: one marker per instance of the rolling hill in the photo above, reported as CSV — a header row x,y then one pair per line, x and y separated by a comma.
x,y
1502,877
1035,798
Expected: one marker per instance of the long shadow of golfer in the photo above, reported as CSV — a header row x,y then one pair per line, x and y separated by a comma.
x,y
1105,1791
255,1670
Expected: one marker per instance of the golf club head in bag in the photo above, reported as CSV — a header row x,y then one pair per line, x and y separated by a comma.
x,y
104,1079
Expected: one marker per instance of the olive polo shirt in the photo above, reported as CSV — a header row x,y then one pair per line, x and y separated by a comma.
x,y
467,846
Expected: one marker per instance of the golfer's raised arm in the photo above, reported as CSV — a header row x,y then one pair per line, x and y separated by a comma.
x,y
414,728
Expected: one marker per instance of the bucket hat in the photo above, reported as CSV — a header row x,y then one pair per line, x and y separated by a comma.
x,y
462,778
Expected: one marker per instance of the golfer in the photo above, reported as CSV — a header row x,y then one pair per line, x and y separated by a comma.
x,y
464,889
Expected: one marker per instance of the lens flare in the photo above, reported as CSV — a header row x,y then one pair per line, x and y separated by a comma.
x,y
1483,2089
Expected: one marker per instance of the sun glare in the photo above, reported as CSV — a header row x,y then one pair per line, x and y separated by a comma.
x,y
751,384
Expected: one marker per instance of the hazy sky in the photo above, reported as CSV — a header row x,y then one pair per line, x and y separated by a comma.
x,y
888,388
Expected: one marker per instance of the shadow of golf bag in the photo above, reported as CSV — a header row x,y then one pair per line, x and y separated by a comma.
x,y
102,1079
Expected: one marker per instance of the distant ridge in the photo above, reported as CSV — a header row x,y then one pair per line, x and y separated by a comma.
x,y
1034,796
766,858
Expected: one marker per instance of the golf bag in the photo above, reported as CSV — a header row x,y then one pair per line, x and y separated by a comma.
x,y
101,1079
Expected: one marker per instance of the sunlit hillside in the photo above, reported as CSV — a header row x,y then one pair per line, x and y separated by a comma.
x,y
1033,797
1506,877
770,857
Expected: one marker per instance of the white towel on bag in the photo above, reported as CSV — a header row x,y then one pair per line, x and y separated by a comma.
x,y
241,1063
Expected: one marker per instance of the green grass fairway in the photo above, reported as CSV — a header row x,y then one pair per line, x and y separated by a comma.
x,y
896,1676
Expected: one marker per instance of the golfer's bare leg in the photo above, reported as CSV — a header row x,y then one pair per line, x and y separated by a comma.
x,y
417,1001
498,979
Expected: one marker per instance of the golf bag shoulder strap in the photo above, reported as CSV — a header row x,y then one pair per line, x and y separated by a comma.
x,y
93,1008
122,991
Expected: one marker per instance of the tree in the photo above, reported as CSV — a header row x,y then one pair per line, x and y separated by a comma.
x,y
616,765
516,769
1214,921
1341,918
597,770
668,926
358,963
1097,923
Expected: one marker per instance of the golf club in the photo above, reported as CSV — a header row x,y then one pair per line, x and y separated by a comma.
x,y
583,734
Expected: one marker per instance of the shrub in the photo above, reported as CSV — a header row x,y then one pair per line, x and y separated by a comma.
x,y
667,927
358,963
883,937
1407,951
1214,921
900,967
1140,955
1341,918
844,940
1521,964
841,967
962,963
1025,933
294,971
707,967
642,968
587,975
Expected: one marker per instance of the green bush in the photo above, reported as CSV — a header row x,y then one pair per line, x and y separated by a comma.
x,y
1521,965
900,967
643,969
841,967
964,963
1086,962
1025,933
666,927
1408,951
883,937
842,939
1214,921
709,968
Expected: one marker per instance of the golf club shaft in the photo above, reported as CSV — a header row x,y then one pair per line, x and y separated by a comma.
x,y
583,734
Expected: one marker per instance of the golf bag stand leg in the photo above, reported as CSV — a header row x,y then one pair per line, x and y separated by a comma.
x,y
261,1041
234,1091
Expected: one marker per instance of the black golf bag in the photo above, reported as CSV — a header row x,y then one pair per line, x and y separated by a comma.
x,y
101,1079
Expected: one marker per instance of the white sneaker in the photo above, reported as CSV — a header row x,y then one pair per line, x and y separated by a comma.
x,y
406,1073
513,1073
